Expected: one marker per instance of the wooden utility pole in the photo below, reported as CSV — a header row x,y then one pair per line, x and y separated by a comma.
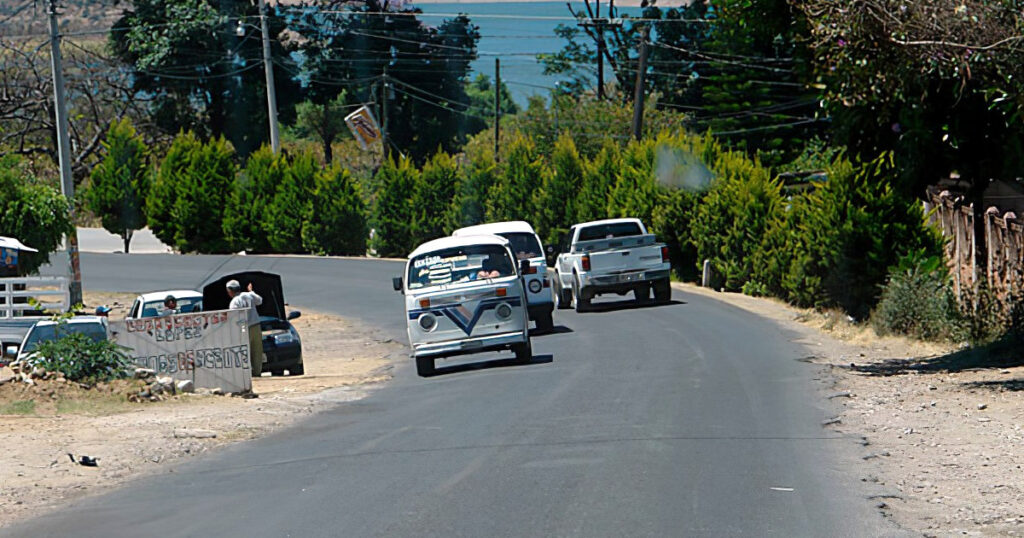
x,y
640,89
497,106
67,181
599,24
268,69
384,113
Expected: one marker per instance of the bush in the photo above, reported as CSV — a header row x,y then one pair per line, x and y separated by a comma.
x,y
480,173
511,195
186,203
250,200
283,221
31,212
394,212
434,198
918,301
556,199
120,182
335,221
592,201
80,358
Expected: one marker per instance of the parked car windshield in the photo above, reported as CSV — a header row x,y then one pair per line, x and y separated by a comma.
x,y
460,264
608,231
185,306
44,333
524,245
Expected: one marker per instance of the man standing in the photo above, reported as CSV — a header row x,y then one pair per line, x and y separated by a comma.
x,y
170,306
249,300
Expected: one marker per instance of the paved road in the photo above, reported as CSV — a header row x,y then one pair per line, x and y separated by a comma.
x,y
675,420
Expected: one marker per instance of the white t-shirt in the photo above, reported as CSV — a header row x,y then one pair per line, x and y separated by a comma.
x,y
246,299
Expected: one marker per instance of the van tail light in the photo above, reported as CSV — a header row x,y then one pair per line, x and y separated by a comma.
x,y
424,303
547,283
501,292
532,270
664,254
586,262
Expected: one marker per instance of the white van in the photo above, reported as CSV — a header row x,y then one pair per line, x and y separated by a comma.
x,y
526,246
464,295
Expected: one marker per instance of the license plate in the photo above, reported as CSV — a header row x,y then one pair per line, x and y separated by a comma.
x,y
629,278
472,344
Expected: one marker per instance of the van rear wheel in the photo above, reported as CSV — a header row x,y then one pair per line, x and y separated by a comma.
x,y
425,366
545,321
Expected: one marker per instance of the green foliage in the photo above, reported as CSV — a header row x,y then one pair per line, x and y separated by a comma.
x,y
120,182
335,220
80,358
635,192
283,221
511,195
433,198
250,200
324,122
834,245
733,216
186,204
592,201
555,202
481,172
394,213
671,221
918,301
481,97
34,213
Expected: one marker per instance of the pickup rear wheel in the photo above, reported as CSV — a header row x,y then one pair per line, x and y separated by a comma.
x,y
581,297
663,291
425,366
642,293
563,297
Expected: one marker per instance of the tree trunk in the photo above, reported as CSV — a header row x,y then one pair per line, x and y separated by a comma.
x,y
127,236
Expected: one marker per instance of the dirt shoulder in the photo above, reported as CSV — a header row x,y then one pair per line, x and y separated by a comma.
x,y
943,423
41,425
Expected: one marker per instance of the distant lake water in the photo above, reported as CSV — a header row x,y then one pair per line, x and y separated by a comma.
x,y
506,33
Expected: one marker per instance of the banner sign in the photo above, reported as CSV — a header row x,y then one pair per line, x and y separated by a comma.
x,y
209,348
363,126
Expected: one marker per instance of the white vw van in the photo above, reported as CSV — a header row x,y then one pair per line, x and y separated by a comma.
x,y
464,295
525,245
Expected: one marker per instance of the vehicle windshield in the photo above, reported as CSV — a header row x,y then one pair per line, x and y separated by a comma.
x,y
185,306
608,231
43,333
524,245
460,264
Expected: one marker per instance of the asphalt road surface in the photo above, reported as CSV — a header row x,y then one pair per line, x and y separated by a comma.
x,y
689,419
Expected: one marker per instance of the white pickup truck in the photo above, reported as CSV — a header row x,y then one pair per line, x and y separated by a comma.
x,y
610,256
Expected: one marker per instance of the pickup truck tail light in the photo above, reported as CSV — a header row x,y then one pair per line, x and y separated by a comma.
x,y
585,262
664,254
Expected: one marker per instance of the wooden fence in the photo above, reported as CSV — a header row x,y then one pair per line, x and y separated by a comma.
x,y
1004,239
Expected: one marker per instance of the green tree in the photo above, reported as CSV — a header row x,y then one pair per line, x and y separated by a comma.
x,y
31,212
335,220
592,202
394,212
434,197
283,222
511,195
480,174
481,97
186,203
324,122
251,198
120,182
556,199
635,192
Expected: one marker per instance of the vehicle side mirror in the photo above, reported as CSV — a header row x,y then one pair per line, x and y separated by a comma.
x,y
524,267
294,314
397,283
11,351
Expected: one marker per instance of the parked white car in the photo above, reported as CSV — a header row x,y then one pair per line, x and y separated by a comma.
x,y
94,327
610,256
150,305
464,295
525,245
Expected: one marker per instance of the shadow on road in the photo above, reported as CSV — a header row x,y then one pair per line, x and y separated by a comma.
x,y
1008,385
560,329
487,365
628,304
1002,353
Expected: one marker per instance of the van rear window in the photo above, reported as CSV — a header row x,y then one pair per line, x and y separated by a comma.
x,y
608,231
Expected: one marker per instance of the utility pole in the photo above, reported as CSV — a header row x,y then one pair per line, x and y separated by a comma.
x,y
268,67
384,114
640,90
497,106
67,182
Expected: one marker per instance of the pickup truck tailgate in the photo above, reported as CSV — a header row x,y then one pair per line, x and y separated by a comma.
x,y
625,260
